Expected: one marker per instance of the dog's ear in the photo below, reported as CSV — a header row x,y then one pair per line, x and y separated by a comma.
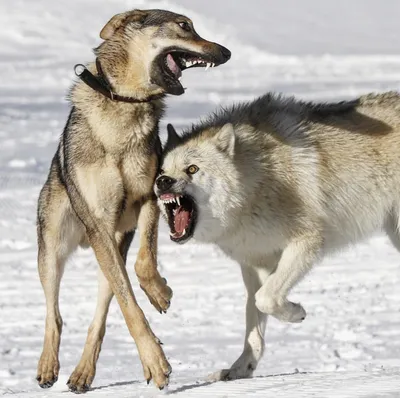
x,y
173,137
120,19
225,139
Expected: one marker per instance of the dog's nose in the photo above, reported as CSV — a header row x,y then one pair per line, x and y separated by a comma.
x,y
225,53
164,183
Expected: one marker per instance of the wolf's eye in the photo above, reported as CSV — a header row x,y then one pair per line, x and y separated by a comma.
x,y
184,26
161,172
193,169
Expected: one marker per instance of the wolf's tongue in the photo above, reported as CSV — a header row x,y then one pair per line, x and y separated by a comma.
x,y
172,65
181,219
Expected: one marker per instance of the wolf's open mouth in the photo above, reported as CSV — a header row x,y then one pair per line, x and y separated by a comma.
x,y
181,213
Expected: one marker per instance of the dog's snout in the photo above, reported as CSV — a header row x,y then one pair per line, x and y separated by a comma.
x,y
225,53
164,182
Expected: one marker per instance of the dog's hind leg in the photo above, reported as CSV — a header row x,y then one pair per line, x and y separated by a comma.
x,y
256,321
56,241
84,373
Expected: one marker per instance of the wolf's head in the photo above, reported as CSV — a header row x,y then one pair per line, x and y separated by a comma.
x,y
198,188
145,52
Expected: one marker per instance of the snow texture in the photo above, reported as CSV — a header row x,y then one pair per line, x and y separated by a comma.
x,y
349,345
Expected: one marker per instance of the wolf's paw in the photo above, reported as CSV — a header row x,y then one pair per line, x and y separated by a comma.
x,y
234,373
48,369
81,378
157,291
285,311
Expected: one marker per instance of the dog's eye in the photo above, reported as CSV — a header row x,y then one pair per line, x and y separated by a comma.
x,y
161,172
193,169
184,26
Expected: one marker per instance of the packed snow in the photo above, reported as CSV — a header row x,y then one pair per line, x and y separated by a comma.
x,y
349,344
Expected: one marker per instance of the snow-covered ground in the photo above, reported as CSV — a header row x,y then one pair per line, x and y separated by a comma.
x,y
349,345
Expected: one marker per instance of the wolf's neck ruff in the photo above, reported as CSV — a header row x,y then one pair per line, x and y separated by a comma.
x,y
102,85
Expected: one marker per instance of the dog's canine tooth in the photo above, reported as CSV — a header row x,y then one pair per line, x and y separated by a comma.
x,y
178,200
207,66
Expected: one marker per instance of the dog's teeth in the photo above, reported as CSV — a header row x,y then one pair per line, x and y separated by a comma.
x,y
212,65
178,200
173,200
207,66
184,232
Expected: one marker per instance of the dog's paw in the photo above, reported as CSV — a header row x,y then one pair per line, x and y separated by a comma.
x,y
48,369
155,364
81,378
285,311
158,292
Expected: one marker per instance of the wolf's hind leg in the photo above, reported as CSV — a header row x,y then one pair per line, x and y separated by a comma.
x,y
392,228
296,260
256,321
84,373
55,241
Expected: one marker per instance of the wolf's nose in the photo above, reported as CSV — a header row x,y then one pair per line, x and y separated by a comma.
x,y
164,182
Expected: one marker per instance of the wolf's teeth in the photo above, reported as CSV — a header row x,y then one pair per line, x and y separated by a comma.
x,y
178,200
212,65
184,232
207,66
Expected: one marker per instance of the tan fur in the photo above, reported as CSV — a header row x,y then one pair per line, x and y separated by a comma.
x,y
99,190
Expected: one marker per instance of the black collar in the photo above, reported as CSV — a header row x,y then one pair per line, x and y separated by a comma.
x,y
101,84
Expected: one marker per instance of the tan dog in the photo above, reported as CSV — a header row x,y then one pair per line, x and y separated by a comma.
x,y
99,188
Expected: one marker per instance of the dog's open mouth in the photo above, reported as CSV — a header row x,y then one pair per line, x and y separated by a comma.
x,y
177,61
174,61
181,214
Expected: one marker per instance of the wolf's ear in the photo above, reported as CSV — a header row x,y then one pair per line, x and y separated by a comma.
x,y
225,139
173,137
120,19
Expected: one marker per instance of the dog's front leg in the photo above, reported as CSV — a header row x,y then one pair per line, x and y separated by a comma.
x,y
155,287
297,259
95,207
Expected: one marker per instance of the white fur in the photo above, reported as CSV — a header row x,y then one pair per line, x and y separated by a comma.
x,y
278,197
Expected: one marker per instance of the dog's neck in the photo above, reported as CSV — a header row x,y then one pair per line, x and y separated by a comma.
x,y
114,121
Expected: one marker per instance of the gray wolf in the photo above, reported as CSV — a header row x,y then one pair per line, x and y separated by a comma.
x,y
278,184
99,188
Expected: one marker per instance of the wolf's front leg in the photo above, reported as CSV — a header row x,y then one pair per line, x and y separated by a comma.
x,y
253,350
297,259
155,287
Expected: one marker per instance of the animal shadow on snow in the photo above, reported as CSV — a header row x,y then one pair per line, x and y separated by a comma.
x,y
198,384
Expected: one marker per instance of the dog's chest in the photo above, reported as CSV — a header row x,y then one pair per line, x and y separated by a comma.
x,y
138,170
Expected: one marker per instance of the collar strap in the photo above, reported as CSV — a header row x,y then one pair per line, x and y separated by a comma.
x,y
101,84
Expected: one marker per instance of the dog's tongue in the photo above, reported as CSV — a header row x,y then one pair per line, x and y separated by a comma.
x,y
181,220
172,65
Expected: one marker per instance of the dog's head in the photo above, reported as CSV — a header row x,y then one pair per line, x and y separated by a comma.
x,y
198,188
147,50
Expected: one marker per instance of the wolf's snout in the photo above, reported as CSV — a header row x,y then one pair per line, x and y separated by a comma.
x,y
164,183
